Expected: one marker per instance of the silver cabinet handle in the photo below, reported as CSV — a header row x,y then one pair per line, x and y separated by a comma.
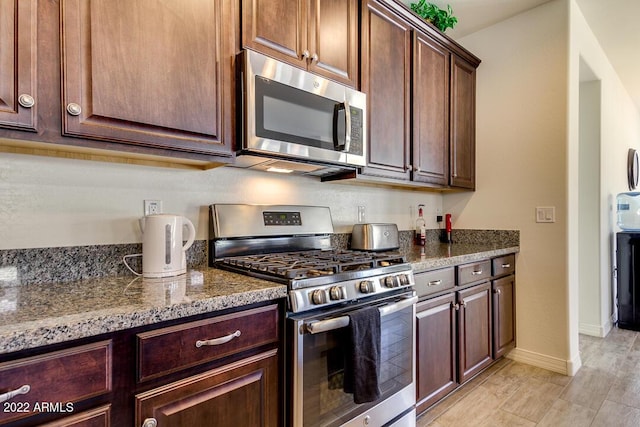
x,y
435,283
497,291
74,109
505,265
315,327
150,422
11,394
314,58
218,341
305,54
476,272
26,100
456,307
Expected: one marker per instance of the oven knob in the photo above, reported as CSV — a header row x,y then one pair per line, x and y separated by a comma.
x,y
318,297
391,282
366,287
404,279
335,293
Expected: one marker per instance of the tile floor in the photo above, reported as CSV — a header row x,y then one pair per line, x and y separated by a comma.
x,y
605,391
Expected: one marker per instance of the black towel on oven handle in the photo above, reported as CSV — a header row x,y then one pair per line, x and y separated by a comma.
x,y
362,364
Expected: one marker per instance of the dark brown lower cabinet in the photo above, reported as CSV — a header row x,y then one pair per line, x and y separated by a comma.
x,y
244,393
462,332
474,330
435,350
504,319
99,417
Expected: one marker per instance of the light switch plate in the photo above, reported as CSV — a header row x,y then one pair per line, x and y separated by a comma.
x,y
545,214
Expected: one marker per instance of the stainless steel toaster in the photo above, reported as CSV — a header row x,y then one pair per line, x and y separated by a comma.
x,y
374,237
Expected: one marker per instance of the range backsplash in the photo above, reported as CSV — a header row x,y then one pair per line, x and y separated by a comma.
x,y
65,264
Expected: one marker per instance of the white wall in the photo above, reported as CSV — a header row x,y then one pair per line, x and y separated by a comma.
x,y
521,163
528,156
588,213
619,131
49,202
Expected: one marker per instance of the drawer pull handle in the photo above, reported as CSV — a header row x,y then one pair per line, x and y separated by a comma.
x,y
218,341
150,422
11,394
476,272
434,283
505,265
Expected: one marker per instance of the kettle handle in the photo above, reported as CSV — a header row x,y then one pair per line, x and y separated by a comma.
x,y
192,233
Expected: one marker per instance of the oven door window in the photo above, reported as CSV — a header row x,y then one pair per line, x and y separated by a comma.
x,y
324,401
285,113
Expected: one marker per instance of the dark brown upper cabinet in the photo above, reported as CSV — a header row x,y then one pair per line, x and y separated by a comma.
x,y
318,35
431,73
18,85
420,88
386,76
463,124
154,74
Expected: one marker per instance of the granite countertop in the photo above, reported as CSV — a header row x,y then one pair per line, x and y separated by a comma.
x,y
34,315
445,255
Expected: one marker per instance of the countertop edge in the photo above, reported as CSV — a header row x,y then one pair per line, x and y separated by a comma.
x,y
29,335
420,266
55,330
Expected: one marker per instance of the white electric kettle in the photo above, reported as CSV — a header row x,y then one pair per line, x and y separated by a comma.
x,y
163,254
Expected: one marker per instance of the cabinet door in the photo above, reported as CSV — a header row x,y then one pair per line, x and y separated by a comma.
x,y
386,73
152,73
430,111
276,28
463,124
244,393
474,330
504,335
435,350
98,417
332,39
18,35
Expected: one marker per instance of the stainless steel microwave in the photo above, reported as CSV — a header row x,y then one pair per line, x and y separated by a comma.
x,y
291,114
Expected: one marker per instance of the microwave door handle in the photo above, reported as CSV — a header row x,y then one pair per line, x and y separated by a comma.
x,y
316,327
338,143
347,126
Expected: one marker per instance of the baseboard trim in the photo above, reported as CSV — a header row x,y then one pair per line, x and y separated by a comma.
x,y
555,364
599,331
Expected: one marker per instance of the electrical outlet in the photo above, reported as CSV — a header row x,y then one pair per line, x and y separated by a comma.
x,y
152,207
361,217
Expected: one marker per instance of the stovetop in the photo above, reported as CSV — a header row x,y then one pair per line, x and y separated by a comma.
x,y
300,265
291,245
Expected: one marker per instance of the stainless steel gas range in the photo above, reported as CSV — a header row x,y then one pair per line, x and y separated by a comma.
x,y
328,289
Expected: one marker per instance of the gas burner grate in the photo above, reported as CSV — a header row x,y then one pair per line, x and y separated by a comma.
x,y
313,263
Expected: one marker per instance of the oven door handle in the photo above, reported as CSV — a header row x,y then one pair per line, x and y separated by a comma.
x,y
316,327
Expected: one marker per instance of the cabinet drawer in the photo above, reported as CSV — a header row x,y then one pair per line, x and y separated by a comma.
x,y
60,378
178,347
474,272
430,282
504,265
99,417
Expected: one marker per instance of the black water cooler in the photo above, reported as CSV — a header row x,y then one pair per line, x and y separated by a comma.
x,y
628,269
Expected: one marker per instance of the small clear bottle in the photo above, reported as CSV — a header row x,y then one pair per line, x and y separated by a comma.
x,y
421,228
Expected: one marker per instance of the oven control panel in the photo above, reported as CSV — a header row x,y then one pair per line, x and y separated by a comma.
x,y
311,298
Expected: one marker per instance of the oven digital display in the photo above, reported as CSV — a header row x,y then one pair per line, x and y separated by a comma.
x,y
282,218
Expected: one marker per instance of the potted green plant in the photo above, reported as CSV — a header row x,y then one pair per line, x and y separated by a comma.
x,y
430,12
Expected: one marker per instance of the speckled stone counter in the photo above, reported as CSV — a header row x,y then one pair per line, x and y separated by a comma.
x,y
38,314
438,255
33,315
